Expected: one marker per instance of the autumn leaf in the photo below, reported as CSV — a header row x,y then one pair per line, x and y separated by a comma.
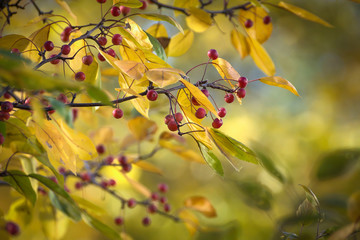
x,y
226,70
138,186
66,7
133,69
261,57
180,43
202,205
191,221
158,30
128,3
38,38
279,82
14,41
161,17
239,42
142,128
163,77
139,34
148,167
185,4
199,20
303,13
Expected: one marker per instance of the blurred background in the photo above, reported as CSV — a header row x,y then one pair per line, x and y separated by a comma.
x,y
295,132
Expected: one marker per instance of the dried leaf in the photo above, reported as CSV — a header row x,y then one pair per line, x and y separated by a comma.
x,y
202,205
279,82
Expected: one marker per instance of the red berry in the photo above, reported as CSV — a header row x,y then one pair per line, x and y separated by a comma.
x,y
119,221
55,61
152,208
163,200
7,106
221,112
100,149
162,187
12,228
127,167
101,57
118,113
87,60
205,92
75,113
172,126
15,51
168,118
229,97
51,111
62,98
179,117
193,100
146,221
78,185
101,1
131,203
109,160
4,116
116,39
123,160
213,54
217,123
152,95
241,93
111,52
54,179
200,113
7,95
267,19
67,30
115,11
79,76
167,207
143,7
125,10
48,45
28,101
242,82
112,182
62,170
248,23
154,196
104,184
2,139
65,49
85,176
64,37
102,41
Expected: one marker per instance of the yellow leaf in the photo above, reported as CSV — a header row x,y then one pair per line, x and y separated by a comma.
x,y
180,43
103,135
157,30
89,206
142,128
38,39
128,3
261,57
133,69
54,224
191,222
39,18
199,20
109,72
161,17
303,13
66,7
138,186
225,70
279,82
153,61
148,167
202,205
240,44
185,4
259,31
200,96
140,36
131,53
14,41
163,77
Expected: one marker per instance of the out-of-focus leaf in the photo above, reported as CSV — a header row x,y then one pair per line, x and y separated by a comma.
x,y
97,94
160,17
44,160
310,195
198,19
142,128
20,212
185,4
21,183
259,31
101,227
232,149
269,166
39,18
256,194
239,42
353,208
38,39
279,82
103,135
148,167
157,30
303,13
62,110
202,205
128,3
68,208
191,221
200,97
157,47
228,231
54,223
307,212
138,186
261,57
211,159
164,76
344,232
11,41
182,151
337,163
66,7
180,43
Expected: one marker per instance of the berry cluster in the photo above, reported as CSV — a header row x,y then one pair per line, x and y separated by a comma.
x,y
6,108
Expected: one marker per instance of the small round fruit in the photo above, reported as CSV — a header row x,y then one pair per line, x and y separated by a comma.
x,y
62,170
178,117
102,41
64,38
118,113
267,19
87,60
154,196
193,100
67,30
152,208
213,54
115,11
7,106
78,185
205,92
119,221
127,167
167,207
217,123
12,228
163,199
101,1
242,82
122,160
65,49
144,6
162,187
109,160
48,45
131,203
152,95
15,51
4,116
221,112
2,139
116,39
172,126
101,57
241,93
168,118
62,98
100,149
54,61
146,221
112,182
104,184
125,10
7,95
200,113
80,76
248,23
85,177
229,97
111,52
75,113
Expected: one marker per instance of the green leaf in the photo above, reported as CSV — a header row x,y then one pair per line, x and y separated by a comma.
x,y
267,163
256,194
97,94
158,48
44,160
21,183
101,227
3,128
337,163
211,159
70,209
311,197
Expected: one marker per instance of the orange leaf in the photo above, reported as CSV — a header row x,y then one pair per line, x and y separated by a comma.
x,y
202,205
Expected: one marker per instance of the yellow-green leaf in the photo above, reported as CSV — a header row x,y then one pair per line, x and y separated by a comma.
x,y
261,57
180,43
14,41
303,13
128,3
160,17
138,186
202,205
199,20
163,77
279,82
181,151
185,4
239,42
